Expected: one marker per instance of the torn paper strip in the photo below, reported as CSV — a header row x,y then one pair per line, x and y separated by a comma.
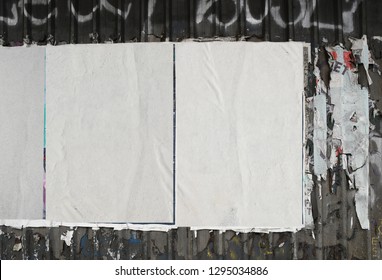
x,y
351,126
19,224
240,135
110,133
67,237
308,215
22,132
361,53
319,135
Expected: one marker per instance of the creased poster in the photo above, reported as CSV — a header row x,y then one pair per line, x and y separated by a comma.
x,y
240,135
110,133
21,132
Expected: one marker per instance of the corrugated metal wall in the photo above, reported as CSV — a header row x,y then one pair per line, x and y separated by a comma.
x,y
337,233
88,21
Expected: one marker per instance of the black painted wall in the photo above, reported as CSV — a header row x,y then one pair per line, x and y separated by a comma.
x,y
87,21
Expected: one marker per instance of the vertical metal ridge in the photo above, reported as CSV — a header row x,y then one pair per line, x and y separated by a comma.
x,y
73,13
315,26
168,20
267,22
123,17
240,18
2,26
338,20
51,21
364,18
290,20
26,24
192,19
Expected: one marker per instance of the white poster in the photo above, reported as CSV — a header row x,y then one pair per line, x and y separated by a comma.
x,y
110,133
239,159
21,132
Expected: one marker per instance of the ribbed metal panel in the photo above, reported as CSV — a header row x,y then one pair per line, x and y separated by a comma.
x,y
87,21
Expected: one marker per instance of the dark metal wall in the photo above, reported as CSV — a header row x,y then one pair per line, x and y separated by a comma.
x,y
337,233
86,21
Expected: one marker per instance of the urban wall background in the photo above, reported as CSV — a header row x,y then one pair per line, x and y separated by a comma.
x,y
87,21
336,234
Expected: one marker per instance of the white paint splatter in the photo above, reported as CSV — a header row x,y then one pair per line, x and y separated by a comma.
x,y
67,237
111,253
47,243
17,247
351,222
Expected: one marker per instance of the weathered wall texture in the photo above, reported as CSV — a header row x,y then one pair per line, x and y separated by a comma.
x,y
337,233
86,21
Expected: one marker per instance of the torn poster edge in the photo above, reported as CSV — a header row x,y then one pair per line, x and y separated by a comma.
x,y
319,116
362,55
307,181
20,224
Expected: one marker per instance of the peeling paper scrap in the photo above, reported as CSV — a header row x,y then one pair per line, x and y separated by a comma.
x,y
22,132
237,127
249,230
360,51
308,188
351,126
319,135
20,224
109,133
67,237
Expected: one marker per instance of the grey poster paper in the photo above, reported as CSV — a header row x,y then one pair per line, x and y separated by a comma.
x,y
21,132
110,133
239,135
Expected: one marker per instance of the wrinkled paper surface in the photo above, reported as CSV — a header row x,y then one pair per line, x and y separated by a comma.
x,y
239,135
110,133
21,132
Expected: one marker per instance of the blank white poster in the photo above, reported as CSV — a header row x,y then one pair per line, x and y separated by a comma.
x,y
21,132
239,118
110,133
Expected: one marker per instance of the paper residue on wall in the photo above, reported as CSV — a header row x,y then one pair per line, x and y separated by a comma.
x,y
308,215
320,161
67,237
351,122
319,135
360,50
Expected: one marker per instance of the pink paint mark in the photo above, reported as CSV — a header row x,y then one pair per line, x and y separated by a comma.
x,y
348,58
339,151
334,55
